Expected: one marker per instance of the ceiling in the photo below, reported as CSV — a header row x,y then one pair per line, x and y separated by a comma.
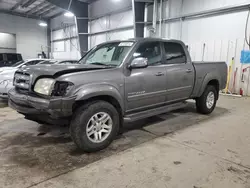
x,y
32,8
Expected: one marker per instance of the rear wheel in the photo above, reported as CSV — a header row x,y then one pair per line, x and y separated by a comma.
x,y
94,126
206,103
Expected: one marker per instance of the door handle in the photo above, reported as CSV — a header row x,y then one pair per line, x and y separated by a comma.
x,y
189,70
159,74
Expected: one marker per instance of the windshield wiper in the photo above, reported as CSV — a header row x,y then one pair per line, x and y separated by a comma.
x,y
103,64
97,63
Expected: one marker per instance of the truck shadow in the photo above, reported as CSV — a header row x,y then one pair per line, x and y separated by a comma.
x,y
50,149
3,103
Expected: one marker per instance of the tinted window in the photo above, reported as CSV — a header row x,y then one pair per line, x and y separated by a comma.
x,y
174,53
32,62
19,57
1,57
151,51
17,64
12,57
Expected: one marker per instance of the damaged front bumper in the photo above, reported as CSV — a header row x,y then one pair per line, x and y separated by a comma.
x,y
35,107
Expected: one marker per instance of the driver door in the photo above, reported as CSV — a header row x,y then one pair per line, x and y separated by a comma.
x,y
146,87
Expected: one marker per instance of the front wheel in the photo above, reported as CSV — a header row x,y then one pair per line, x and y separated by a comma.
x,y
206,103
94,126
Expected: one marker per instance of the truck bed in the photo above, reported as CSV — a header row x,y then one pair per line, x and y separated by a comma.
x,y
205,70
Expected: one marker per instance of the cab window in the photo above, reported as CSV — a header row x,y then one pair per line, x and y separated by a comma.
x,y
151,51
174,53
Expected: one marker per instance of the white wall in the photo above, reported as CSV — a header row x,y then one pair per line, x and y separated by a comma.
x,y
65,28
113,21
223,35
30,37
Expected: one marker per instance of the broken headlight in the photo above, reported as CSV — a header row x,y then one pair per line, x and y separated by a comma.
x,y
61,88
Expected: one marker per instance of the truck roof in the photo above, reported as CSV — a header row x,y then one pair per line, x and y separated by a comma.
x,y
147,39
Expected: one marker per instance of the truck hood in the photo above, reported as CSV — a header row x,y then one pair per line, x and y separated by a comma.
x,y
58,70
7,68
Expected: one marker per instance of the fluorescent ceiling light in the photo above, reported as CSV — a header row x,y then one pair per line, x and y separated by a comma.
x,y
43,24
69,14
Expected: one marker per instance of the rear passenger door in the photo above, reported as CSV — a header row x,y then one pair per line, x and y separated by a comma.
x,y
179,72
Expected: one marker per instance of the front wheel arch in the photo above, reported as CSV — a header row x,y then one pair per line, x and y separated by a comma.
x,y
107,98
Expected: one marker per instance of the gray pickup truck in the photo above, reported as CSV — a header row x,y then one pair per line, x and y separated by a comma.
x,y
116,82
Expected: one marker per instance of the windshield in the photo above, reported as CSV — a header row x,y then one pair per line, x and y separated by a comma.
x,y
111,54
17,64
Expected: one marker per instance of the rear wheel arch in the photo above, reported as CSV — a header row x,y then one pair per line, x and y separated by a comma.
x,y
216,84
210,79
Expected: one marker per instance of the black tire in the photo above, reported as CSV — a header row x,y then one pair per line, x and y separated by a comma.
x,y
201,104
80,120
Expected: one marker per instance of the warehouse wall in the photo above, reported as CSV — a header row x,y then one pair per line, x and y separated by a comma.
x,y
64,38
110,15
30,37
113,21
221,37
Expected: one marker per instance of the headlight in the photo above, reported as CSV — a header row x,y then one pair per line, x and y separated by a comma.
x,y
44,86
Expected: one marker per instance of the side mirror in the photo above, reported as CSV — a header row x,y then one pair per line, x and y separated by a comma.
x,y
139,63
23,66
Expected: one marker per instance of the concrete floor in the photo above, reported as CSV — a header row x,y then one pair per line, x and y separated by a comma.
x,y
179,149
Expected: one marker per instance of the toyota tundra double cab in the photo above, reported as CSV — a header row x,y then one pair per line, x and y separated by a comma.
x,y
116,82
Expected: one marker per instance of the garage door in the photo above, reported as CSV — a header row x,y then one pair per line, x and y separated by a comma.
x,y
7,43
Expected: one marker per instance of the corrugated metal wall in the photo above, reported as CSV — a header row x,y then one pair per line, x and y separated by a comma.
x,y
64,38
111,22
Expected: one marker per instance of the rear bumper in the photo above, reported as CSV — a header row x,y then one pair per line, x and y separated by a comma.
x,y
29,105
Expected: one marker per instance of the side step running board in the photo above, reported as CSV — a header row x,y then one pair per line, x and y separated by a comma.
x,y
153,112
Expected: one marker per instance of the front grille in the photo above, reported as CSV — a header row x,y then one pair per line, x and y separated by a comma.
x,y
22,81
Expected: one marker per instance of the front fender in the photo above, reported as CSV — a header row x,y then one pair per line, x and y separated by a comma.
x,y
207,79
94,90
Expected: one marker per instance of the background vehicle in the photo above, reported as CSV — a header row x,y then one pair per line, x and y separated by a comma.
x,y
116,82
8,59
7,73
21,63
58,62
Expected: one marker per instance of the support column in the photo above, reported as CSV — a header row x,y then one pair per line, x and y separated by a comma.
x,y
139,16
49,40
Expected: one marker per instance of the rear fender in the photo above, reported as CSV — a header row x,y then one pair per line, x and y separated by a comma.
x,y
206,80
